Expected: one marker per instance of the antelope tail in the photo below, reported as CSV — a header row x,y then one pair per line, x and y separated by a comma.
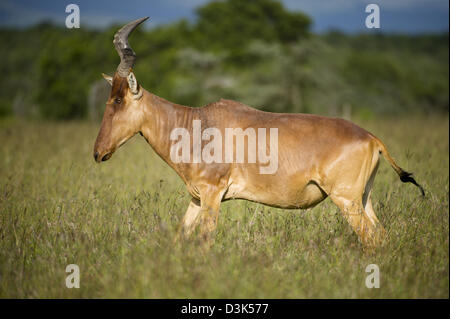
x,y
405,177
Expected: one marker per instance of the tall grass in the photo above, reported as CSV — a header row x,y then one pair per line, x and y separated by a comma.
x,y
117,221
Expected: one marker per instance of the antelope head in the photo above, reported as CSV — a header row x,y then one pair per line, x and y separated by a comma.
x,y
123,114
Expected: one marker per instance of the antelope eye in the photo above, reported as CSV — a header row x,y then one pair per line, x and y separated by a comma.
x,y
117,100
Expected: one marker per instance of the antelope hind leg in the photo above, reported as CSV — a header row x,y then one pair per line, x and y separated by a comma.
x,y
353,211
380,233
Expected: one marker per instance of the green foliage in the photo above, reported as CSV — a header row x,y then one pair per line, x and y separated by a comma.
x,y
402,78
67,66
232,24
253,51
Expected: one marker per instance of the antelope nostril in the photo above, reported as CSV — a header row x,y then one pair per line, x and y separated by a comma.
x,y
105,157
95,156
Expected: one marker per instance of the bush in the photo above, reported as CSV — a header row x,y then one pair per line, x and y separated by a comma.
x,y
254,51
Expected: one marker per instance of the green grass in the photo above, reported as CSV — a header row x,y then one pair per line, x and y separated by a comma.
x,y
117,221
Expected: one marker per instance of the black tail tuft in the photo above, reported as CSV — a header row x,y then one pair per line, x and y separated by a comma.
x,y
406,177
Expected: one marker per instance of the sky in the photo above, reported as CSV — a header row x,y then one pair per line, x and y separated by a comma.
x,y
400,16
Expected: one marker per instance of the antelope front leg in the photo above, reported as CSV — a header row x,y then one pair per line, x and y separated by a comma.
x,y
190,219
211,198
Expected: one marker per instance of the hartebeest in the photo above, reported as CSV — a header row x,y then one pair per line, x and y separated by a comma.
x,y
317,156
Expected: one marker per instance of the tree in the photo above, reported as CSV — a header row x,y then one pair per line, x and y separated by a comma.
x,y
233,24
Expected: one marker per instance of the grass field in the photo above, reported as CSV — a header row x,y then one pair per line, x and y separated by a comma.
x,y
117,221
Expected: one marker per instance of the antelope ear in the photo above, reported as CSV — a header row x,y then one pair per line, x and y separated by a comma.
x,y
132,83
108,78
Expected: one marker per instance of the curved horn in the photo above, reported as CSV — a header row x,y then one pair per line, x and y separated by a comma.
x,y
127,55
